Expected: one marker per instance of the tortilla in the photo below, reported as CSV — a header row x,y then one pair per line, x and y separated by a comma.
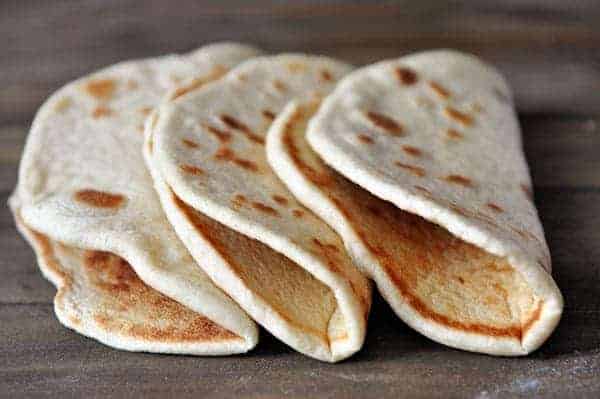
x,y
444,222
82,183
276,259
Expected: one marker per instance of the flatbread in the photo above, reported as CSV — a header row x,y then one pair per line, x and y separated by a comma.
x,y
100,296
436,135
82,183
280,262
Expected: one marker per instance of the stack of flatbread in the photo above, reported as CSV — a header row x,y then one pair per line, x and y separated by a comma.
x,y
176,201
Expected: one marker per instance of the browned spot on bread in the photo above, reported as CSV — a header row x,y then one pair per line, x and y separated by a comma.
x,y
224,154
191,169
101,89
494,207
439,89
326,75
406,76
454,134
240,198
298,213
329,247
221,135
118,276
340,337
246,164
295,67
259,206
102,319
365,139
458,116
197,83
279,85
316,177
280,199
145,110
459,210
99,199
199,328
233,123
101,112
413,151
415,170
374,209
227,154
459,179
132,84
385,122
190,143
483,218
527,190
96,259
268,114
422,190
62,104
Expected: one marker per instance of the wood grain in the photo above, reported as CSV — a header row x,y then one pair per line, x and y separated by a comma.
x,y
550,52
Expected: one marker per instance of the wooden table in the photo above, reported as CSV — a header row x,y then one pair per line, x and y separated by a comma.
x,y
550,54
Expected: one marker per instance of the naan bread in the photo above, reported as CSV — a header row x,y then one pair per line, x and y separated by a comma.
x,y
82,183
446,226
280,262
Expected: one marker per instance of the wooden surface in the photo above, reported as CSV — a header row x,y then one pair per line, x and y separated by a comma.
x,y
550,52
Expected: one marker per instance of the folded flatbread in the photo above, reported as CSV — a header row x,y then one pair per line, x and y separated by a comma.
x,y
428,186
86,204
279,261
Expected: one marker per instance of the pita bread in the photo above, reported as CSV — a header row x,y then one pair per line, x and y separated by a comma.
x,y
82,183
281,263
436,135
100,296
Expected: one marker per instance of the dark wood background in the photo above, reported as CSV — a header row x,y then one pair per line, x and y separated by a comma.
x,y
550,52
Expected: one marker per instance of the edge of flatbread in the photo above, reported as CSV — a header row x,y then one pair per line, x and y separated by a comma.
x,y
422,198
102,218
100,296
192,216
